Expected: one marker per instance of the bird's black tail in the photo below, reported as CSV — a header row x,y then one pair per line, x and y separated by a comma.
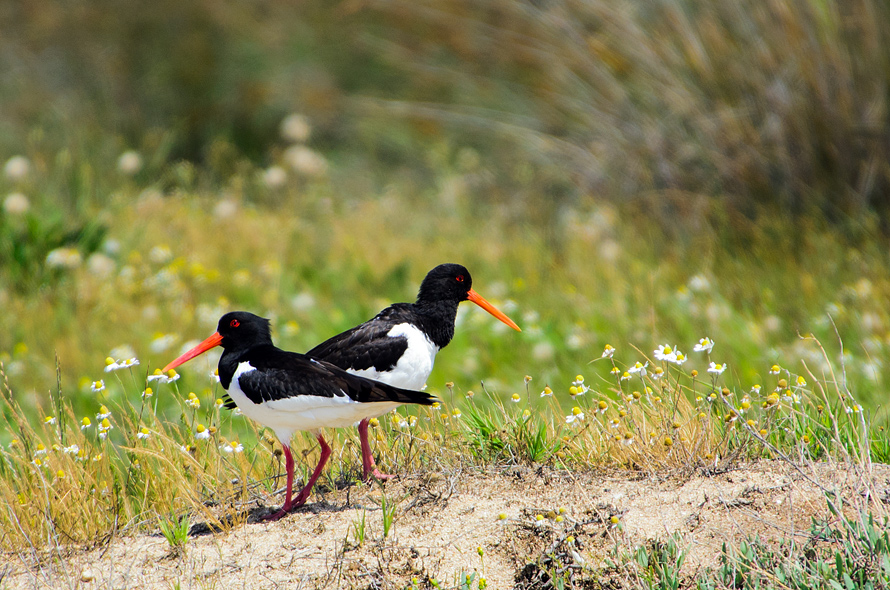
x,y
374,391
381,392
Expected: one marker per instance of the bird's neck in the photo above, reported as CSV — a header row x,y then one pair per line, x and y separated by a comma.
x,y
437,320
232,357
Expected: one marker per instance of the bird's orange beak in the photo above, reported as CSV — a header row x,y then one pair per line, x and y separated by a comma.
x,y
481,302
211,342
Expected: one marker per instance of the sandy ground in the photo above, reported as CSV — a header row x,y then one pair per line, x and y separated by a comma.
x,y
442,519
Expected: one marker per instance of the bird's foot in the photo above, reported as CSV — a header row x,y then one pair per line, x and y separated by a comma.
x,y
275,515
377,474
286,509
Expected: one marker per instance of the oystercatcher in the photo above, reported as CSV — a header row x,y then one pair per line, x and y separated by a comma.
x,y
287,391
399,345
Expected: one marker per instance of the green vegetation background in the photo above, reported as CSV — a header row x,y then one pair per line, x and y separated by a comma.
x,y
630,174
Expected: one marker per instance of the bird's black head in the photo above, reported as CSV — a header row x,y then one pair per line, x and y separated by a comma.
x,y
446,282
238,331
243,330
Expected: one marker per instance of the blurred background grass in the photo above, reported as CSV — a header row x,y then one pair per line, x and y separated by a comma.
x,y
620,173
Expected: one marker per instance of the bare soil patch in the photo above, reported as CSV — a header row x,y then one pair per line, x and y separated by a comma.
x,y
442,519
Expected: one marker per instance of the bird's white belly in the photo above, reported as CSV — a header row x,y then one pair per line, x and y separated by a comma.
x,y
305,412
415,365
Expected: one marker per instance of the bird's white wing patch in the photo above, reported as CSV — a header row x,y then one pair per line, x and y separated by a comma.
x,y
415,365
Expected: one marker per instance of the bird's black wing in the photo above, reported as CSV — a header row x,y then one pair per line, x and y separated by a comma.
x,y
369,345
281,375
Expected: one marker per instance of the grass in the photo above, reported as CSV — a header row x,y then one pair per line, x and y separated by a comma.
x,y
175,531
666,103
146,278
128,466
162,280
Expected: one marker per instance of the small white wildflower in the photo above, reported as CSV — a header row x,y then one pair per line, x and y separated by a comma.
x,y
295,128
72,450
639,368
104,426
129,363
104,413
274,177
576,416
17,168
664,352
201,432
305,160
64,258
162,378
232,447
547,392
704,344
679,358
100,266
160,254
129,163
143,433
98,386
608,351
716,368
162,342
775,370
303,302
578,385
699,283
16,204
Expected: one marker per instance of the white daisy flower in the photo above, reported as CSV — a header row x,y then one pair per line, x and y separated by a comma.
x,y
639,368
665,353
704,344
576,416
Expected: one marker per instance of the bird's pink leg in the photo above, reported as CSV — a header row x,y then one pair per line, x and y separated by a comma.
x,y
307,489
291,504
289,465
368,466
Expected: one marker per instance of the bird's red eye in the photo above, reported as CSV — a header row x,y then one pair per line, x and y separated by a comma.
x,y
234,323
460,278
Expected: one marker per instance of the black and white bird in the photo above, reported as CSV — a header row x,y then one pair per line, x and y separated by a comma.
x,y
399,345
287,391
